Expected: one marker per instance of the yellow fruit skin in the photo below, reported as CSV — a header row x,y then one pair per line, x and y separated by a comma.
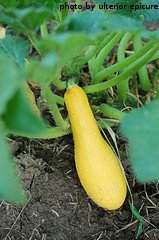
x,y
97,166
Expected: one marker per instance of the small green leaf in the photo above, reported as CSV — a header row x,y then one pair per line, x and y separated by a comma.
x,y
20,118
15,47
141,128
10,186
140,219
10,79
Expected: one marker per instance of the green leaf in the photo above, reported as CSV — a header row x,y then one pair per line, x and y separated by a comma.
x,y
96,22
10,186
31,17
25,20
140,219
66,46
10,80
8,3
141,128
58,50
42,71
20,118
15,47
150,15
7,18
151,34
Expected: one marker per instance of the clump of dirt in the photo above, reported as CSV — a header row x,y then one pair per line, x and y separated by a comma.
x,y
58,207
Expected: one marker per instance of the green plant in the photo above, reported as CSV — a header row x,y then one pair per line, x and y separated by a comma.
x,y
63,44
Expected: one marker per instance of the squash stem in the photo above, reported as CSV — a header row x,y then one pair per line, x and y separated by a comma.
x,y
143,73
93,50
71,82
44,30
123,87
118,66
59,100
54,110
33,41
98,62
131,69
59,84
112,112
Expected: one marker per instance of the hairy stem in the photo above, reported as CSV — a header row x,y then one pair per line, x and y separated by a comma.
x,y
123,87
110,43
102,75
143,73
126,74
44,30
54,110
111,112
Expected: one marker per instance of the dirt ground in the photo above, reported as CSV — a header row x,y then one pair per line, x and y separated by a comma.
x,y
58,207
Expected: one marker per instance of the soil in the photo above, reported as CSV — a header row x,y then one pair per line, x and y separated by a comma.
x,y
58,207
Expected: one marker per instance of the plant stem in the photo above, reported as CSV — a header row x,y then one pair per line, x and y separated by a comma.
x,y
58,83
44,30
116,67
50,133
127,73
111,112
92,52
156,56
143,73
59,100
106,40
105,123
65,10
33,40
54,110
110,43
123,87
80,61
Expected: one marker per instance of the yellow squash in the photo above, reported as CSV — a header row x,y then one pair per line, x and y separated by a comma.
x,y
97,166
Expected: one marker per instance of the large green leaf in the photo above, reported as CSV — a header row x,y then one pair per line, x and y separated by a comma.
x,y
7,18
15,47
134,8
8,3
20,118
43,71
97,21
25,20
11,79
26,3
57,50
141,128
150,15
65,45
10,186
